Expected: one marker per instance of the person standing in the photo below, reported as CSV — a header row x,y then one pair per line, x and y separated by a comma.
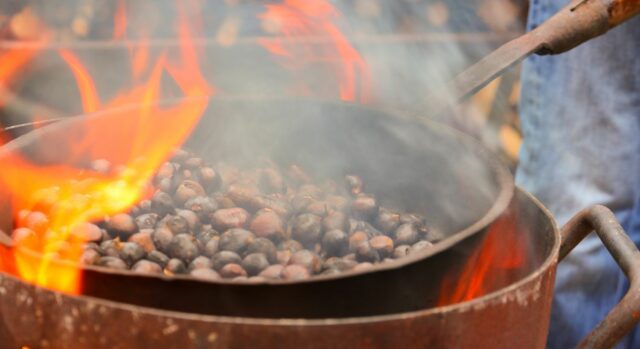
x,y
580,117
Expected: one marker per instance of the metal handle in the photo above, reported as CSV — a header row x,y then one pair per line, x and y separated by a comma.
x,y
582,20
621,10
625,314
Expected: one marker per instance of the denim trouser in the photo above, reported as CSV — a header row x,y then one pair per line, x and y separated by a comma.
x,y
580,114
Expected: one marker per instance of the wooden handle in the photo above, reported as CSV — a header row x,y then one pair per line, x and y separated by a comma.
x,y
622,10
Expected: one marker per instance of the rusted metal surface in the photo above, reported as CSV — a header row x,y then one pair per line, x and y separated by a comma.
x,y
624,316
622,10
484,71
461,198
515,316
576,23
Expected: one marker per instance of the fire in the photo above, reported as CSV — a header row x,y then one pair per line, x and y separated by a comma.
x,y
71,195
120,20
138,51
300,20
502,251
51,203
88,93
13,61
139,58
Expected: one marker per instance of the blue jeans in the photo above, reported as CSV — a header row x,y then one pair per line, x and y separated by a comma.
x,y
580,115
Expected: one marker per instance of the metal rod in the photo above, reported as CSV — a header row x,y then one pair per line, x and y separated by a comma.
x,y
255,40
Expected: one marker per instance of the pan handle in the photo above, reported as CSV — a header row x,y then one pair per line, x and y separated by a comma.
x,y
621,10
625,314
580,21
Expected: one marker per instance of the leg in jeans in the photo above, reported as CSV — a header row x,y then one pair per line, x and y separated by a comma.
x,y
580,114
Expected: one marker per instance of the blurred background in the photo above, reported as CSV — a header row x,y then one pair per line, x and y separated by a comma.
x,y
404,51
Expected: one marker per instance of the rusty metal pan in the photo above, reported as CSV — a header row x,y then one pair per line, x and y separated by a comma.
x,y
418,166
516,316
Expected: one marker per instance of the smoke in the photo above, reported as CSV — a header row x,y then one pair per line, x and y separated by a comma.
x,y
411,49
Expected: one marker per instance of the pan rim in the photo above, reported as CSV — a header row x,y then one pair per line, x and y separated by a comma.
x,y
503,177
497,296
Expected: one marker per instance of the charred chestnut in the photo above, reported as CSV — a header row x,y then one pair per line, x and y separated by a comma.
x,y
307,229
223,258
255,263
162,203
265,247
236,240
175,266
146,267
335,243
122,225
184,247
228,218
267,224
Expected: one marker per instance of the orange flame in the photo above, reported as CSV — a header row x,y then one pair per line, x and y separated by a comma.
x,y
70,195
138,51
13,61
120,20
502,251
300,20
88,93
139,58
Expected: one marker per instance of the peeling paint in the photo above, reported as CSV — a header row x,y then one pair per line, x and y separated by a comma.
x,y
212,337
170,329
67,323
114,325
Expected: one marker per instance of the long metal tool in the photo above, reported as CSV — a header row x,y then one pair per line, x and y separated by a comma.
x,y
580,21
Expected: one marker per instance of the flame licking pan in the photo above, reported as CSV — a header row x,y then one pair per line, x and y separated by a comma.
x,y
423,166
415,166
